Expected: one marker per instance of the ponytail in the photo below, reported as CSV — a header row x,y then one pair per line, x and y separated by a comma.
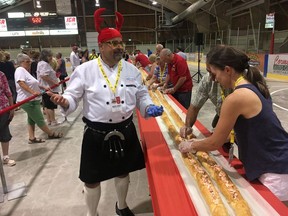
x,y
253,75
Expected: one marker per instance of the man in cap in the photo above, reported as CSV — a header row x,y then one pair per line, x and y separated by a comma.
x,y
111,88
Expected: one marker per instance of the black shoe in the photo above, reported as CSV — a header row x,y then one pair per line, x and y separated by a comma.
x,y
123,212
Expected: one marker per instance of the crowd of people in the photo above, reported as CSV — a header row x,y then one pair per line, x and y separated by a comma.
x,y
238,91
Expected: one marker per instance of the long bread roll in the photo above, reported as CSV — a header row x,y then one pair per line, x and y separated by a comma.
x,y
207,189
224,183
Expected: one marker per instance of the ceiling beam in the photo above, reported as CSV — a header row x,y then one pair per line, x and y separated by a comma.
x,y
144,5
244,6
15,5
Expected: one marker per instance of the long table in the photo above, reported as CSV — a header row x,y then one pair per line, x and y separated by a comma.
x,y
168,191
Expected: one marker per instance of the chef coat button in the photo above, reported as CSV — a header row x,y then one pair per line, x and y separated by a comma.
x,y
122,101
122,85
123,117
107,103
104,86
110,120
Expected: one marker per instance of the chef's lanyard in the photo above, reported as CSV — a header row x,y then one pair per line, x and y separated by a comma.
x,y
162,72
232,134
113,88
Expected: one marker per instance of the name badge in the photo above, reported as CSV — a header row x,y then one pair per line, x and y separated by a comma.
x,y
116,100
116,104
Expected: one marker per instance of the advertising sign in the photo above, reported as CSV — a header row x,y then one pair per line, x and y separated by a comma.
x,y
3,25
71,22
269,20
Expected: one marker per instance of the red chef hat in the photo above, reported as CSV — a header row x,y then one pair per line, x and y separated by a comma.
x,y
107,33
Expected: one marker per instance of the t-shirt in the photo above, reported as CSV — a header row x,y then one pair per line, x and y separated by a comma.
x,y
179,68
45,69
142,59
21,74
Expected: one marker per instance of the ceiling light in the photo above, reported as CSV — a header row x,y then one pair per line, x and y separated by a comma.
x,y
154,3
97,3
38,5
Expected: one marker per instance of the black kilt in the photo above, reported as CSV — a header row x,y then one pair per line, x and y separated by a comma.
x,y
97,163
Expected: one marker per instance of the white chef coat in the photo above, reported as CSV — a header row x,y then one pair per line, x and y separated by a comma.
x,y
87,83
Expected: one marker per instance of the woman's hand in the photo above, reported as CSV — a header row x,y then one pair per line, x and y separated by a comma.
x,y
186,146
11,115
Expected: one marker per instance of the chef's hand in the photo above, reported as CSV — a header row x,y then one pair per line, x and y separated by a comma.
x,y
186,146
58,99
154,111
185,131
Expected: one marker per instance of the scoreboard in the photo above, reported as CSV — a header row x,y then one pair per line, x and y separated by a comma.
x,y
37,24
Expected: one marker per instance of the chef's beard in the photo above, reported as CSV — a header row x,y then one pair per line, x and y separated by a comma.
x,y
118,53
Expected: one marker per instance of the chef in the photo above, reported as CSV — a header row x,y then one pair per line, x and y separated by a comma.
x,y
111,89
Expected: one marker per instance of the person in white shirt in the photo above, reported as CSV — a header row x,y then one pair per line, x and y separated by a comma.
x,y
179,51
111,88
74,58
47,78
27,86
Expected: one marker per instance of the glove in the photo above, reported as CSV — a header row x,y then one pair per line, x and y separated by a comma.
x,y
154,110
186,146
185,131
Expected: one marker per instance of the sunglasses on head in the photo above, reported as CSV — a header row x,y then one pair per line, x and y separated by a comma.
x,y
115,43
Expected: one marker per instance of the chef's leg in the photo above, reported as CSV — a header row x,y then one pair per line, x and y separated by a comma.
x,y
121,185
92,193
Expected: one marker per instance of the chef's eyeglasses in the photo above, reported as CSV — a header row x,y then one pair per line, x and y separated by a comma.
x,y
115,43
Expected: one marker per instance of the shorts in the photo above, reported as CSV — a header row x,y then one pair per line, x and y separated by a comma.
x,y
34,113
5,135
47,103
277,184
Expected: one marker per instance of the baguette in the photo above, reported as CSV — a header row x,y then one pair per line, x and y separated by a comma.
x,y
172,113
205,185
224,183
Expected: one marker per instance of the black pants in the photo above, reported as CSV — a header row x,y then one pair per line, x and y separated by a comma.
x,y
183,98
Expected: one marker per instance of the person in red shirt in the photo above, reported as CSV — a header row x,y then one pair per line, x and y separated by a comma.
x,y
179,76
142,60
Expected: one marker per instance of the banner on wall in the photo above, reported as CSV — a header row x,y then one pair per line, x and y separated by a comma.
x,y
278,64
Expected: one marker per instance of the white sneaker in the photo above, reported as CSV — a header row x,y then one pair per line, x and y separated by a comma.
x,y
9,162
